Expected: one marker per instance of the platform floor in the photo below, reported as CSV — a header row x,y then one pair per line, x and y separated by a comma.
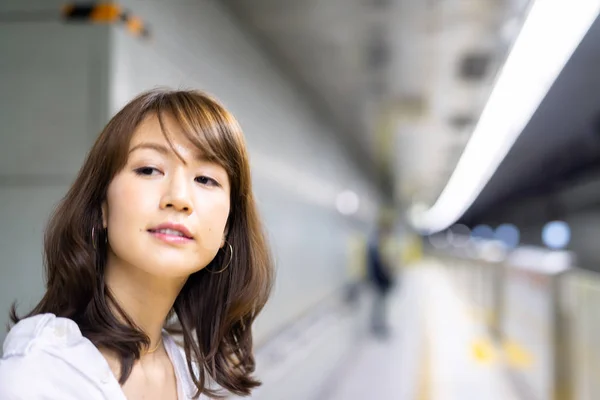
x,y
436,349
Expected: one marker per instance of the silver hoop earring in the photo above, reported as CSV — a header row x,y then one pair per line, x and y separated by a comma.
x,y
94,238
227,266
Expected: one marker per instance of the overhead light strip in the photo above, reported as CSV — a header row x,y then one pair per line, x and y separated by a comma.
x,y
549,36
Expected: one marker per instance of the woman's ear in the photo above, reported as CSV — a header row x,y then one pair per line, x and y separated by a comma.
x,y
104,210
225,232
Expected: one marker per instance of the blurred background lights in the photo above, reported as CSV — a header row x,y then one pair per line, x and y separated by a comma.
x,y
347,202
508,234
459,235
484,232
439,240
556,234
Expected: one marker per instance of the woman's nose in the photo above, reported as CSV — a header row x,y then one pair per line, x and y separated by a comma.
x,y
177,195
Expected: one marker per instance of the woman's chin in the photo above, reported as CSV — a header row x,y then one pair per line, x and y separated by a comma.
x,y
170,271
168,265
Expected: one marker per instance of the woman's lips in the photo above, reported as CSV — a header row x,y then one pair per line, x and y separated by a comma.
x,y
171,233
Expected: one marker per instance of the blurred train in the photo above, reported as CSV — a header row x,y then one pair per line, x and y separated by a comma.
x,y
542,311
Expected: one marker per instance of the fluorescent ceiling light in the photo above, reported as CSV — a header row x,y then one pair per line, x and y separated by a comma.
x,y
551,33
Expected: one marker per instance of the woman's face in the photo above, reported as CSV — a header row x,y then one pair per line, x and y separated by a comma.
x,y
164,214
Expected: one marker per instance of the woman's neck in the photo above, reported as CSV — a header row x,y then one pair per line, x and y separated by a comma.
x,y
146,299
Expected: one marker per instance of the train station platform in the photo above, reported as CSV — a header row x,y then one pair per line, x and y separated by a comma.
x,y
437,348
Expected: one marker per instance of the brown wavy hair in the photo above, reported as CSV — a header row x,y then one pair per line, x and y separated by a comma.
x,y
214,312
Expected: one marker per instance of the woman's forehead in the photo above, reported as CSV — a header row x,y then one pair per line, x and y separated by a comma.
x,y
150,131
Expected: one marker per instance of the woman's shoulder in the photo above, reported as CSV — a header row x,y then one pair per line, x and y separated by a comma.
x,y
39,332
45,353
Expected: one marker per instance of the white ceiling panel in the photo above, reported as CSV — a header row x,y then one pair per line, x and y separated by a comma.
x,y
365,58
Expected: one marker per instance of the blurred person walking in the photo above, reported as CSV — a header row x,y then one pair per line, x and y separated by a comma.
x,y
380,276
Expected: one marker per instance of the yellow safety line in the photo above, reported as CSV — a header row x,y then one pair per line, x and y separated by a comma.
x,y
425,381
424,388
517,356
482,351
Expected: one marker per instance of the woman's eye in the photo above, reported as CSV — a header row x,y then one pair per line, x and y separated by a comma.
x,y
147,171
205,180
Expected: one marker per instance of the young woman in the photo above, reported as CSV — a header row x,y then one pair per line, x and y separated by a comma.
x,y
156,265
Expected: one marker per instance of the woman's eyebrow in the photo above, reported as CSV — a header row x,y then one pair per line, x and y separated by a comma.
x,y
199,156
